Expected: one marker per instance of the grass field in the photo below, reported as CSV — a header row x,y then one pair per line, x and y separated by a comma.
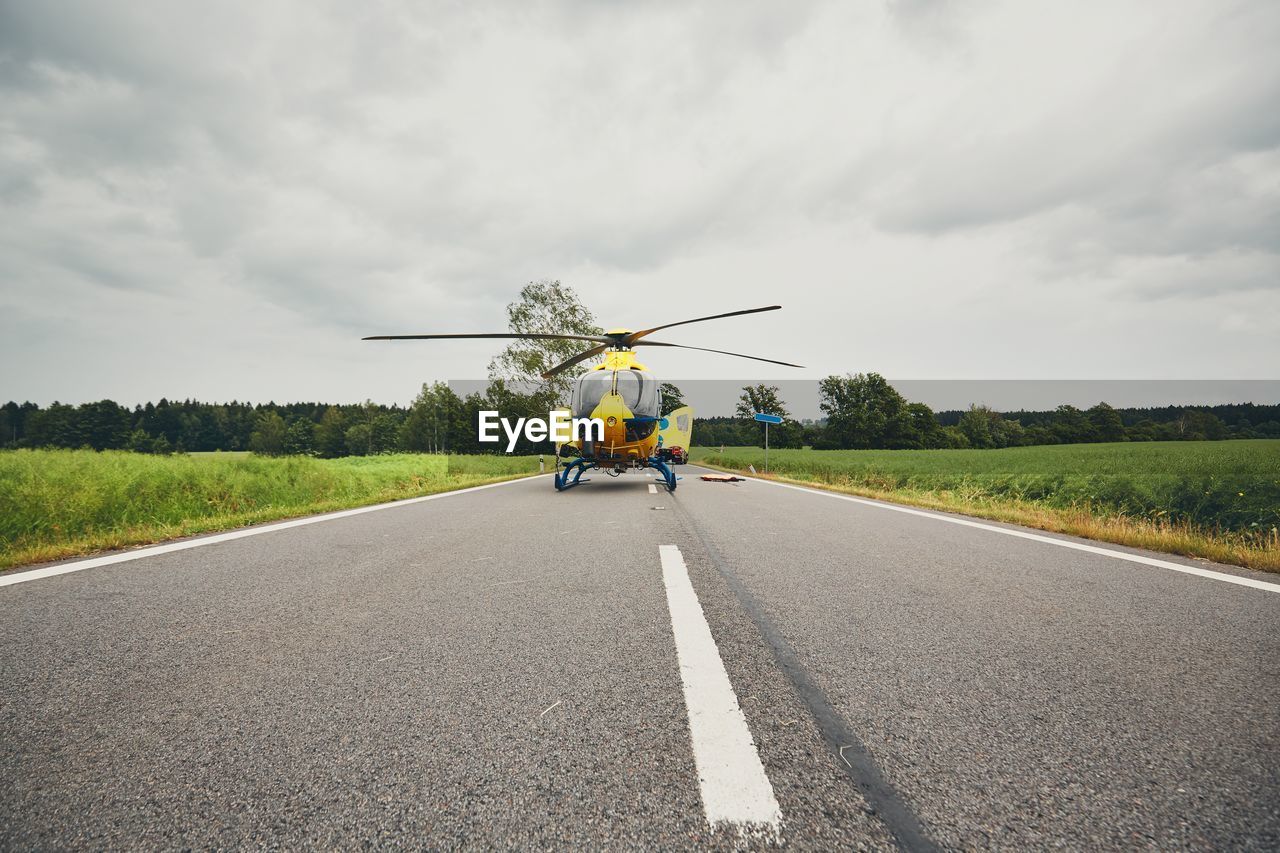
x,y
1219,500
61,503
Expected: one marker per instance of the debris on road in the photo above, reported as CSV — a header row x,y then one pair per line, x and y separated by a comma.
x,y
722,478
544,710
508,583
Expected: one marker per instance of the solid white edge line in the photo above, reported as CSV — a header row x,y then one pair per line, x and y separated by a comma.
x,y
11,578
731,778
1266,586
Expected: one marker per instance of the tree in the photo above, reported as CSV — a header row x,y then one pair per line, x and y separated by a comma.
x,y
103,425
13,423
426,428
369,429
162,420
10,424
139,442
55,426
1144,430
956,440
1107,423
1012,433
331,434
671,396
789,433
765,399
544,307
269,436
1072,426
865,411
463,422
199,431
982,426
925,424
385,431
1268,429
359,439
299,439
979,426
1199,425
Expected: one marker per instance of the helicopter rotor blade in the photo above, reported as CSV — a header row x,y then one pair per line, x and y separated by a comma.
x,y
532,336
582,356
635,336
603,342
719,351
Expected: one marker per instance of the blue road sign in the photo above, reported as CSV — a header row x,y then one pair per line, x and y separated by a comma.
x,y
768,419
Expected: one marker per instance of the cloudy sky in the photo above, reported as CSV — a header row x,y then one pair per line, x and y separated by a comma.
x,y
217,200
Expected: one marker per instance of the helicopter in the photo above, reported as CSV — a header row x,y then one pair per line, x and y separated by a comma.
x,y
621,393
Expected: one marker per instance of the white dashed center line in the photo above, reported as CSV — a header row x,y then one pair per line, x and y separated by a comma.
x,y
735,790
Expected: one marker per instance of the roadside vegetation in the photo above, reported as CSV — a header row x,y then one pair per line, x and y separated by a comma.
x,y
62,503
1217,500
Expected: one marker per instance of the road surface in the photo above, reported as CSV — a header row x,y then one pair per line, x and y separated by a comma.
x,y
615,666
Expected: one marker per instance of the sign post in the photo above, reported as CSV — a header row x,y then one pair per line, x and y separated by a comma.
x,y
766,420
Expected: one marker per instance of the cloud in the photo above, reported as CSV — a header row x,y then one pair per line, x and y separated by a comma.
x,y
289,177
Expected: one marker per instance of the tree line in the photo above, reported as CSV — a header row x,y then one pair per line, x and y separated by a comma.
x,y
863,411
438,421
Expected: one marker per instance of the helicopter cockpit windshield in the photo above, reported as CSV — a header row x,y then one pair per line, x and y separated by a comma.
x,y
639,392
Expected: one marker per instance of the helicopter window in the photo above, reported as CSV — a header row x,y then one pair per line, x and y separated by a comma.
x,y
590,389
639,392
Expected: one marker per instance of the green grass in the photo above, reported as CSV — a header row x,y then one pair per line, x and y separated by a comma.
x,y
1219,499
60,503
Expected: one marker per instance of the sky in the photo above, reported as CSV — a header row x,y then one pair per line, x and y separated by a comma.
x,y
218,200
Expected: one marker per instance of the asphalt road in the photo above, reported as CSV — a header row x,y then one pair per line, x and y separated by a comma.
x,y
510,667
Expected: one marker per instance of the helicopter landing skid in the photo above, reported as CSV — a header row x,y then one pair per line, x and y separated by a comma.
x,y
576,468
668,474
571,474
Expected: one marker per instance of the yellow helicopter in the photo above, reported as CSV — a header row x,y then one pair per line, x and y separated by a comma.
x,y
622,394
